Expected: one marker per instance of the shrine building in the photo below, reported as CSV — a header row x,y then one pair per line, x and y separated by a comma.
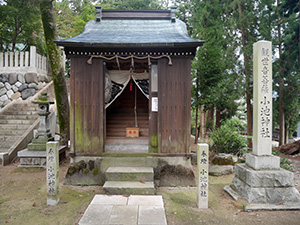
x,y
130,81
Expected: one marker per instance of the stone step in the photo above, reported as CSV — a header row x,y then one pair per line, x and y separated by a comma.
x,y
19,112
123,148
129,188
14,126
29,107
9,138
13,121
6,144
19,117
129,174
11,132
3,150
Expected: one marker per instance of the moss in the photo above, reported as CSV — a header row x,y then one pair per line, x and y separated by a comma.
x,y
71,170
86,171
95,171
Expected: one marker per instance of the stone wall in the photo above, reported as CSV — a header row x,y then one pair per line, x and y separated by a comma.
x,y
18,86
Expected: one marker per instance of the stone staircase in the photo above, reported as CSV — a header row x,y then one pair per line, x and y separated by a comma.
x,y
129,181
17,122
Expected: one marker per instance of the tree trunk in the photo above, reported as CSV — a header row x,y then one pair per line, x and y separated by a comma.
x,y
281,83
202,121
218,117
247,85
54,55
196,125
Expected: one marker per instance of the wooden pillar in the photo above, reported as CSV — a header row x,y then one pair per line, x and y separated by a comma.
x,y
153,109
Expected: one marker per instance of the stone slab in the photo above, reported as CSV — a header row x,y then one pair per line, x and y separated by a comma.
x,y
217,170
264,178
152,215
124,214
286,206
96,215
263,162
109,200
129,174
129,187
231,192
126,148
142,200
134,211
130,170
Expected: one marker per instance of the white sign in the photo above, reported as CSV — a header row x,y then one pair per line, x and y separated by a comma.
x,y
154,104
202,175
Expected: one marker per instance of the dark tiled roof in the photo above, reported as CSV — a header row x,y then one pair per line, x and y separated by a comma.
x,y
132,33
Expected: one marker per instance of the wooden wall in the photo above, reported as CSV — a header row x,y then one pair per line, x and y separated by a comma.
x,y
87,106
174,106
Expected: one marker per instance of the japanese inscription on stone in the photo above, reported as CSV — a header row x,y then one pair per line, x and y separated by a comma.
x,y
262,98
52,173
202,178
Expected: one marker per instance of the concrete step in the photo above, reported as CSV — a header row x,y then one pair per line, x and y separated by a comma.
x,y
19,117
13,121
129,174
129,188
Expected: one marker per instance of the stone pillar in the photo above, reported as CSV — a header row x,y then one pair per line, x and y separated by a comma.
x,y
261,181
202,175
261,157
52,173
32,56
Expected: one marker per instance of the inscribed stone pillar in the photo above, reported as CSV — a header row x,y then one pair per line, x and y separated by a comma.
x,y
261,157
202,175
260,181
52,173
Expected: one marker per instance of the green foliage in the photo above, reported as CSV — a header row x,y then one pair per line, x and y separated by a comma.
x,y
226,139
71,21
284,162
214,79
20,26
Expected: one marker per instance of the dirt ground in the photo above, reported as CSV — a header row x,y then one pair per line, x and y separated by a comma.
x,y
23,201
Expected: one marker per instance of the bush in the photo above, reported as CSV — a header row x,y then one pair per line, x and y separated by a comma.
x,y
227,139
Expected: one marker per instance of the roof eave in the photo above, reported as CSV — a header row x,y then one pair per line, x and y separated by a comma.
x,y
128,45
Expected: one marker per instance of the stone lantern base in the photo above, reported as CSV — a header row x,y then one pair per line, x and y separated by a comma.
x,y
39,144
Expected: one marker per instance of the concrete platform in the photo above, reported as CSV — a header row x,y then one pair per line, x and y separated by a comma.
x,y
118,209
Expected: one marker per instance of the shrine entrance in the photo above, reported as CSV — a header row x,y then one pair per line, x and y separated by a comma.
x,y
127,110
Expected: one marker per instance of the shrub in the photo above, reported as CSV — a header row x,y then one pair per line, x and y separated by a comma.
x,y
227,139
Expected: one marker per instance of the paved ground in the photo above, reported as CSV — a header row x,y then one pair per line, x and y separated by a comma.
x,y
125,210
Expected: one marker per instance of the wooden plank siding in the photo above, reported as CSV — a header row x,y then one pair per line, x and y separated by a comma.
x,y
87,106
174,106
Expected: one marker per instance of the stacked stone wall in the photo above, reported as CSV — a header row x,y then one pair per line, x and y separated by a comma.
x,y
18,86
